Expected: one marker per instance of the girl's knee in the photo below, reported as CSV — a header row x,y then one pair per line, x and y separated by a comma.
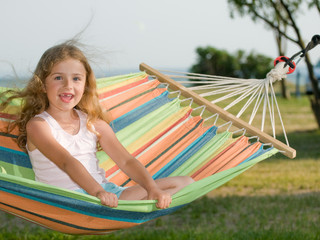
x,y
185,181
188,180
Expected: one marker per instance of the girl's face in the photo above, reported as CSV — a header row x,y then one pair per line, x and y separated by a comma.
x,y
65,84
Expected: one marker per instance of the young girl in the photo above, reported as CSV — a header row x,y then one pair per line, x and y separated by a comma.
x,y
61,124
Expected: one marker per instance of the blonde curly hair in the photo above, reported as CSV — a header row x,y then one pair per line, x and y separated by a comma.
x,y
34,99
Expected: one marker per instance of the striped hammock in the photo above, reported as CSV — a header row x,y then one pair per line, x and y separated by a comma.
x,y
163,129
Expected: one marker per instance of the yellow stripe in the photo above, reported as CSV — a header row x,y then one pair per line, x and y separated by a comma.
x,y
107,164
121,84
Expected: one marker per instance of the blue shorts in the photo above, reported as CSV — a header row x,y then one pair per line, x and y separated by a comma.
x,y
109,187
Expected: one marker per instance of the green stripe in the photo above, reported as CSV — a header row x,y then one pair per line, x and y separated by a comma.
x,y
14,102
206,185
108,81
170,147
8,135
134,131
16,170
202,155
175,143
184,196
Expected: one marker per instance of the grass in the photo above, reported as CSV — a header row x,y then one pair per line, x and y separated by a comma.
x,y
276,199
283,216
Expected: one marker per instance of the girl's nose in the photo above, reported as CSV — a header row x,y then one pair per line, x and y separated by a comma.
x,y
68,83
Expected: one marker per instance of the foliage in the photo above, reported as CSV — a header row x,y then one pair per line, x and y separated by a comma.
x,y
254,65
281,16
314,3
215,62
219,62
274,14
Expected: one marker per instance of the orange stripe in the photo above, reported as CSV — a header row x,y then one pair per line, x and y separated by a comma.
x,y
228,142
59,214
221,159
119,98
127,107
8,116
140,150
118,84
205,166
148,144
4,127
160,147
166,158
123,88
241,157
9,143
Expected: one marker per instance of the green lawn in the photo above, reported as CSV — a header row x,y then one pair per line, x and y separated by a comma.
x,y
276,199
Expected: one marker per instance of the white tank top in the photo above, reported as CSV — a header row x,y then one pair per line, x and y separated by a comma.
x,y
82,146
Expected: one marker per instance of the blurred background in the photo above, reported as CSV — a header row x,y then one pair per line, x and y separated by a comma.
x,y
122,34
278,198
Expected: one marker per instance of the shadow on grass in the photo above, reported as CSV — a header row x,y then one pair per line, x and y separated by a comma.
x,y
306,143
232,217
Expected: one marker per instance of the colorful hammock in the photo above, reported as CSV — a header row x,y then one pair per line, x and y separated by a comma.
x,y
160,130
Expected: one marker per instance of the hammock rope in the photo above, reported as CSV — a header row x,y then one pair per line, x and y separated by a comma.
x,y
239,90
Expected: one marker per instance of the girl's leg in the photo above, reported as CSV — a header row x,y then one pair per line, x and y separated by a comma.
x,y
169,184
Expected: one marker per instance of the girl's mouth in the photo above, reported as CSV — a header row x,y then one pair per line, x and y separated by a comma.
x,y
66,97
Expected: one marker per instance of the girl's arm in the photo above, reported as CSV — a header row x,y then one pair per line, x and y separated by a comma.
x,y
130,165
39,136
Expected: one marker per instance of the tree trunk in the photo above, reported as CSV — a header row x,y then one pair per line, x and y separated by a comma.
x,y
315,98
315,105
285,92
281,49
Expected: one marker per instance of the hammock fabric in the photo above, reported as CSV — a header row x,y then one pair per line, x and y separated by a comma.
x,y
159,130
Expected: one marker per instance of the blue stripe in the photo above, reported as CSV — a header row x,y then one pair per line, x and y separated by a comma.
x,y
15,157
187,153
82,207
139,112
257,154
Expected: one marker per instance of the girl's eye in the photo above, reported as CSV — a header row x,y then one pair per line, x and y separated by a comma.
x,y
76,79
57,78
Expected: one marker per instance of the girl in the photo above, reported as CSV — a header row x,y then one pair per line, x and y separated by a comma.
x,y
62,124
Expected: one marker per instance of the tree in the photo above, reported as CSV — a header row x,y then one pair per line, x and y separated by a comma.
x,y
276,14
219,62
281,44
215,62
253,65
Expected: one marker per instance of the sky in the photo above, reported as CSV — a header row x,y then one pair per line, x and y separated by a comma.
x,y
122,34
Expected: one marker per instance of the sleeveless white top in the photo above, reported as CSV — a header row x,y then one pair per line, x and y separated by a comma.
x,y
82,146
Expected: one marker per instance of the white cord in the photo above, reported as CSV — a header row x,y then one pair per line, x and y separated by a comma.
x,y
252,90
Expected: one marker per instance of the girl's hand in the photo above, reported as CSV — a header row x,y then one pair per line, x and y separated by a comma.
x,y
164,198
108,199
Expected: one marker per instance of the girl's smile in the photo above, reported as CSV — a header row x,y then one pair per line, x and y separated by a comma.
x,y
65,97
65,85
